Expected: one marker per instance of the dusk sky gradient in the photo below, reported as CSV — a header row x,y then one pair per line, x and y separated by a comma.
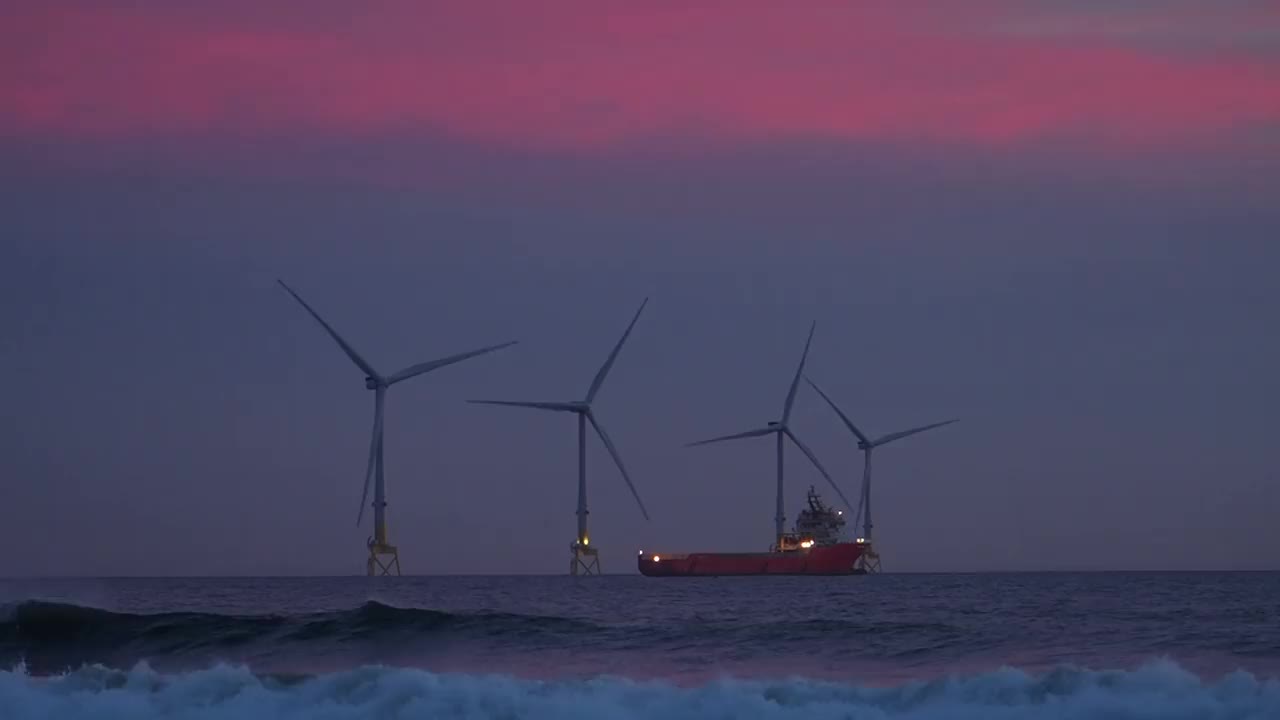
x,y
1055,220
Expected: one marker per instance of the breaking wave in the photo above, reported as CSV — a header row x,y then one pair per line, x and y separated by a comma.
x,y
55,621
50,636
1161,690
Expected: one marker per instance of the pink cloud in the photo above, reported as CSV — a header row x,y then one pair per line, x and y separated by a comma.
x,y
604,73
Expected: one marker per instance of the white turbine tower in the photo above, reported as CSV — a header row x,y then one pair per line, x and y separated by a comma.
x,y
782,429
584,559
379,384
870,559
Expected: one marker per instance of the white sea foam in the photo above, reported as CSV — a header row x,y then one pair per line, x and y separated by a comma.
x,y
1160,691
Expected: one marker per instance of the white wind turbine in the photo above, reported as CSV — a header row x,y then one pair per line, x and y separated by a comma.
x,y
782,430
870,559
379,384
585,559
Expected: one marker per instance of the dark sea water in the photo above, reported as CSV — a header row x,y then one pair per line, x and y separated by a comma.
x,y
924,647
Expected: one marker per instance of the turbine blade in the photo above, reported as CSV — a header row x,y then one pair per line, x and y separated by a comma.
x,y
379,397
814,459
437,364
748,434
795,382
554,406
906,433
617,460
350,351
847,422
608,363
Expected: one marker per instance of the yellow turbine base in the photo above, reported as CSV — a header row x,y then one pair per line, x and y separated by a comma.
x,y
583,560
870,561
383,560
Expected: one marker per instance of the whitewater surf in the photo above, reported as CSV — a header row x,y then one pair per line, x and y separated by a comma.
x,y
1138,646
1159,691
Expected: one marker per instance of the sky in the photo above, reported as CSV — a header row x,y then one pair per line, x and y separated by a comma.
x,y
1054,220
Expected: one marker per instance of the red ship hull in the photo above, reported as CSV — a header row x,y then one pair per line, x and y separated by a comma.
x,y
838,559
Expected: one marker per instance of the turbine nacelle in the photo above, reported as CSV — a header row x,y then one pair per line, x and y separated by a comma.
x,y
782,429
379,384
866,445
582,408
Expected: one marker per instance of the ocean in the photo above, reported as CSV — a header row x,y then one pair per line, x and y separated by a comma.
x,y
1059,646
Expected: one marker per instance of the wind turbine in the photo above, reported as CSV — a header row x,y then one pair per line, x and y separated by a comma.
x,y
379,384
870,559
583,558
782,429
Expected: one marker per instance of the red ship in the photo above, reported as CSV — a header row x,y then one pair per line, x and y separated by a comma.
x,y
813,547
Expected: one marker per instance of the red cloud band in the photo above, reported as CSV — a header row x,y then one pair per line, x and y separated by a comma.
x,y
601,73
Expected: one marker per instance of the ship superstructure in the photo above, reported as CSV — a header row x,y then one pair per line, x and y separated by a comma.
x,y
813,547
816,525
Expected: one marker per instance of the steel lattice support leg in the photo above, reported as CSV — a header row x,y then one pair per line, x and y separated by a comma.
x,y
583,560
383,560
870,561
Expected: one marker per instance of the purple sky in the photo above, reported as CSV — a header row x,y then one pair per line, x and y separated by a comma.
x,y
1055,220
